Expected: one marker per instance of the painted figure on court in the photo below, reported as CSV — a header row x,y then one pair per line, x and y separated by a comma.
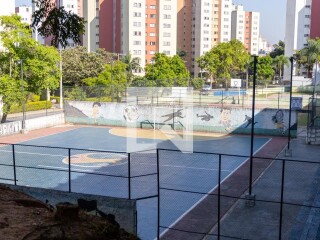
x,y
205,117
96,111
225,119
130,113
170,116
248,120
278,121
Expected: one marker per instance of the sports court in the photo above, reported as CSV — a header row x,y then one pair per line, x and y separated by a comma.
x,y
99,165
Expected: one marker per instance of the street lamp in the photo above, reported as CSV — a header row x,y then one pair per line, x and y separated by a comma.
x,y
23,99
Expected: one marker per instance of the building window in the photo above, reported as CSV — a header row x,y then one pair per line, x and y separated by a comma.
x,y
153,15
166,25
137,24
152,43
152,6
137,4
167,7
166,43
152,52
167,34
136,33
136,42
166,52
137,14
152,34
137,52
166,16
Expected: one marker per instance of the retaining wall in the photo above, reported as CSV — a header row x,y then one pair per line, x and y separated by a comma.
x,y
267,121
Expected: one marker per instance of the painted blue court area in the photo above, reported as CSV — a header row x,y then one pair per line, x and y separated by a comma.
x,y
95,171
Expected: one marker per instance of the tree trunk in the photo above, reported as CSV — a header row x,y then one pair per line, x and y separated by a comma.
x,y
4,117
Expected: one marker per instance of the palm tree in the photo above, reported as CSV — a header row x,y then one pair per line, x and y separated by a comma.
x,y
279,62
299,61
133,65
311,55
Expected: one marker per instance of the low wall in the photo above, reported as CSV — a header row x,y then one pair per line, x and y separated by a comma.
x,y
10,128
123,209
45,122
201,118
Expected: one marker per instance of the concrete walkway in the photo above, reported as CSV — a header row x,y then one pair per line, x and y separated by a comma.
x,y
301,187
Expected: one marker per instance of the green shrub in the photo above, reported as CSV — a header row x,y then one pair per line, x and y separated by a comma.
x,y
101,99
33,97
31,106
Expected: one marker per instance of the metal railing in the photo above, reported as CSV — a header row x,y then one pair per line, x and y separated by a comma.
x,y
286,183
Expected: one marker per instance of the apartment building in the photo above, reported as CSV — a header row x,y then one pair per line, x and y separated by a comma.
x,y
198,29
298,21
245,28
226,8
139,27
315,19
25,12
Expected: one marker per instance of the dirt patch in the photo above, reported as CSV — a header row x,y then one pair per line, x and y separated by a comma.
x,y
23,217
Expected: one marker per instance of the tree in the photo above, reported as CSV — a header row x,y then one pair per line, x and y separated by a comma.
x,y
310,55
113,79
133,64
264,70
278,49
54,21
39,63
79,64
224,60
166,71
279,62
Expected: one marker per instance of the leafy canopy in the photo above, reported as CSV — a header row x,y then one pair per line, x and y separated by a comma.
x,y
166,71
54,21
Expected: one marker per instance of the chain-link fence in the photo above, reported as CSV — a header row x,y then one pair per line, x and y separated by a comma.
x,y
233,97
208,200
181,195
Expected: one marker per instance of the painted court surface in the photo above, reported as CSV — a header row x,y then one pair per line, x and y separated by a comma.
x,y
181,174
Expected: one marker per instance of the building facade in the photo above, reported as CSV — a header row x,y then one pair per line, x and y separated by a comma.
x,y
139,27
315,19
245,27
25,12
298,21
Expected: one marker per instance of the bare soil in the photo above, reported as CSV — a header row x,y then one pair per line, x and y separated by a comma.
x,y
23,217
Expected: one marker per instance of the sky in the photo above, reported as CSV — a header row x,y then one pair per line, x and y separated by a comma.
x,y
273,16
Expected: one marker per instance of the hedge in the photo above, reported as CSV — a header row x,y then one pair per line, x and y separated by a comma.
x,y
31,106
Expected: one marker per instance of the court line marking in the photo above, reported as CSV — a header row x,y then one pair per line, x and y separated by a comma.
x,y
63,168
177,166
31,153
201,199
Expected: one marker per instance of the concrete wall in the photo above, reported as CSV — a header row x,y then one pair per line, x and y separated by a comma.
x,y
32,124
123,209
207,119
45,122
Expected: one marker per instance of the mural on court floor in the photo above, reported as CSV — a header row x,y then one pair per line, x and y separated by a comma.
x,y
205,117
130,113
96,159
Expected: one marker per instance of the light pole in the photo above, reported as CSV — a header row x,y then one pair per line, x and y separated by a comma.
x,y
288,151
22,99
61,90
